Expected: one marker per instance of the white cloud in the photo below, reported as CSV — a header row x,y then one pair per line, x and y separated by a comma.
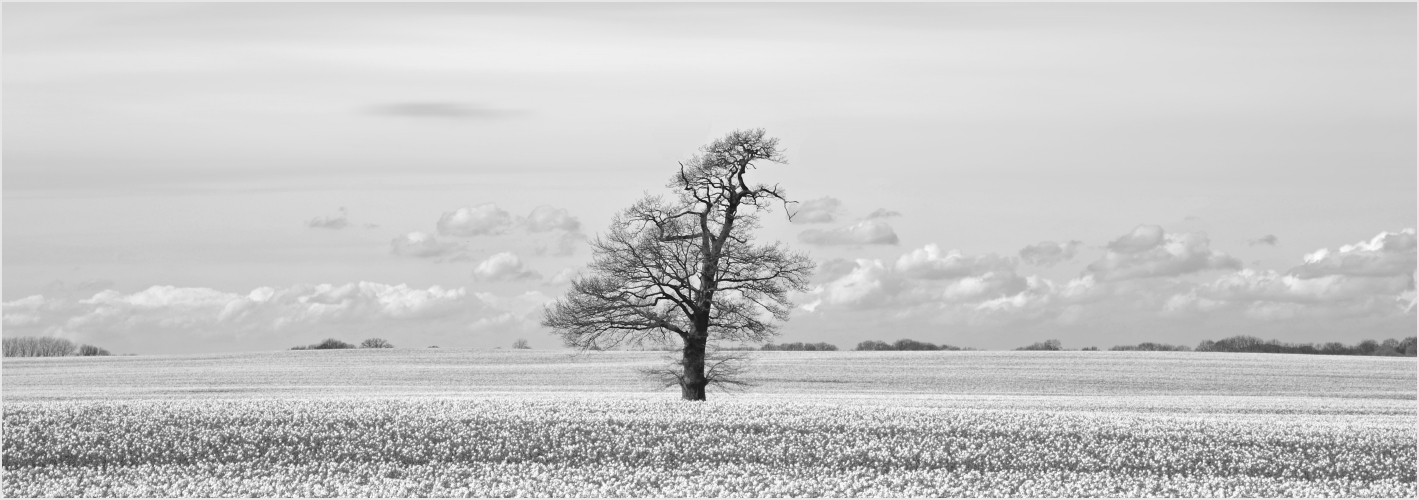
x,y
868,232
1387,254
562,245
817,211
930,263
883,213
546,218
562,277
421,244
504,266
483,220
1049,253
266,317
1148,252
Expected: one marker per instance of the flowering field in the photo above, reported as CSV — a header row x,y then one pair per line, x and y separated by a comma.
x,y
820,424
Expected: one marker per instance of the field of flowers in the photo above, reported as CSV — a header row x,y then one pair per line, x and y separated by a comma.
x,y
1023,433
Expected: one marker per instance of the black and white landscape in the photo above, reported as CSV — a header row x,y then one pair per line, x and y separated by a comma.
x,y
627,250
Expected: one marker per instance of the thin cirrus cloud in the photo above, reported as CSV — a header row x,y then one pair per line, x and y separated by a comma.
x,y
819,211
1049,253
1149,252
883,213
442,110
504,266
868,232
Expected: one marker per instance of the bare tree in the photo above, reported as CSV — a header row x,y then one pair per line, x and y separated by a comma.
x,y
521,344
688,268
376,343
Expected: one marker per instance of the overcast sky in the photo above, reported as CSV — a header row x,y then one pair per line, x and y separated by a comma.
x,y
221,177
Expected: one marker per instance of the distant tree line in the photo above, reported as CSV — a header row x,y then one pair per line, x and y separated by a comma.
x,y
1150,346
372,343
32,347
1048,345
799,346
905,345
1245,343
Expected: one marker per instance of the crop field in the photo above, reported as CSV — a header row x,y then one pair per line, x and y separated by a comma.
x,y
452,423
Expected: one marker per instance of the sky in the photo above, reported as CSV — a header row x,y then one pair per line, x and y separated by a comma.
x,y
188,177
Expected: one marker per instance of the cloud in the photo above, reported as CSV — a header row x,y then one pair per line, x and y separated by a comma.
x,y
930,263
562,245
482,220
883,213
546,218
329,222
448,110
167,317
1148,252
1049,253
1269,239
817,211
868,232
503,267
833,269
562,277
423,245
1387,254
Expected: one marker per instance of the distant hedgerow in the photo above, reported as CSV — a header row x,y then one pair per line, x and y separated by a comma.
x,y
1048,345
799,346
905,345
1150,346
326,344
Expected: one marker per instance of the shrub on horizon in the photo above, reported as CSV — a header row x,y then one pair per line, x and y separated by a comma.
x,y
376,343
1048,345
88,350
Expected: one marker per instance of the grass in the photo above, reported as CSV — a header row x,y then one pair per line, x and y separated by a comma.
x,y
415,422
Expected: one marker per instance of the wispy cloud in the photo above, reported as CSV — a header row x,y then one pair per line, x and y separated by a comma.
x,y
883,213
1269,240
1049,253
423,245
817,211
868,232
445,110
330,221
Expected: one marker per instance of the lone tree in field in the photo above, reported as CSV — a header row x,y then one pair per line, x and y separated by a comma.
x,y
688,268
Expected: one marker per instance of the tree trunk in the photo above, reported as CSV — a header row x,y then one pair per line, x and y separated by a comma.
x,y
693,382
